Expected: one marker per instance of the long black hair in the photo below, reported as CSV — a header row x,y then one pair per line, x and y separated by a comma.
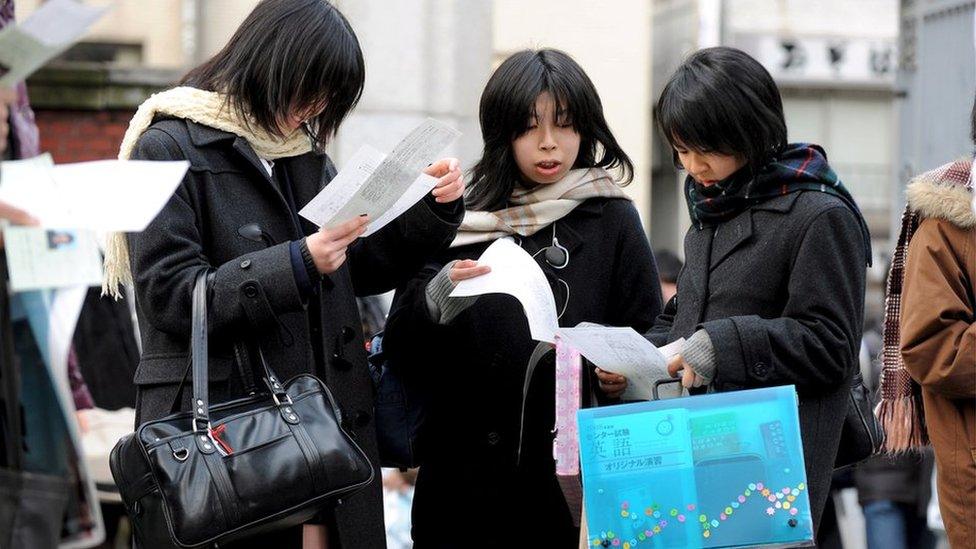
x,y
508,103
722,100
288,56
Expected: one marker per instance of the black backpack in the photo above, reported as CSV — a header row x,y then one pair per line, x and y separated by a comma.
x,y
399,412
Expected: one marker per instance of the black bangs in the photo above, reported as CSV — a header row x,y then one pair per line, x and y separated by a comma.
x,y
289,57
508,106
722,100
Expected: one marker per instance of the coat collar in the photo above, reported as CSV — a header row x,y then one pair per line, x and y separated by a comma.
x,y
945,193
737,231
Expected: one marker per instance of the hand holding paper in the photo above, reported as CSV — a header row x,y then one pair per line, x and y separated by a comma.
x,y
384,186
625,352
514,272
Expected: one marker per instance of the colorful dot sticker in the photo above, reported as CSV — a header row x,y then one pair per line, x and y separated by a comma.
x,y
648,533
752,486
648,511
641,536
702,518
681,518
706,534
656,529
786,505
674,512
722,516
626,545
728,510
616,543
742,499
794,511
714,523
770,511
759,486
735,504
691,506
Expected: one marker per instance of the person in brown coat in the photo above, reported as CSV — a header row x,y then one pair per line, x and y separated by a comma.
x,y
933,284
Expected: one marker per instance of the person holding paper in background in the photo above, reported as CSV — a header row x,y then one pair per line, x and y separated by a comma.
x,y
253,121
772,292
543,180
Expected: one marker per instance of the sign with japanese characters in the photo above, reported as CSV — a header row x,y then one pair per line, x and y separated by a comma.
x,y
845,60
719,470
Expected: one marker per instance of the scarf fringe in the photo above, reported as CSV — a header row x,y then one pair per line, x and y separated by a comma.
x,y
902,422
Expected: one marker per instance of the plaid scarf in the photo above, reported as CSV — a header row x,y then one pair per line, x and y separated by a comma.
x,y
900,409
800,167
535,208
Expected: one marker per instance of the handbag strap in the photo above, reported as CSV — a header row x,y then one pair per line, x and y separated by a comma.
x,y
200,360
9,380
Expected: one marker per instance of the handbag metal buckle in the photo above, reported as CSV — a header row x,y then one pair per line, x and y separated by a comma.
x,y
278,402
197,429
181,454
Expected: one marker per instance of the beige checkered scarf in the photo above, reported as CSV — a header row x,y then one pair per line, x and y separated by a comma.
x,y
534,209
203,107
900,409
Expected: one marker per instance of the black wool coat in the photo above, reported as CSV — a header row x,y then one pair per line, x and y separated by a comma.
x,y
474,371
780,291
255,299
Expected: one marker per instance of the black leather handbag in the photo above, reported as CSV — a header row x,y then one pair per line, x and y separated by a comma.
x,y
862,434
224,472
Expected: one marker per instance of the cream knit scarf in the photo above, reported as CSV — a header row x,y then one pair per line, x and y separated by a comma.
x,y
538,207
203,107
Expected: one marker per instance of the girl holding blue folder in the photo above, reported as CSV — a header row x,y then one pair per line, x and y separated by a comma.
x,y
772,292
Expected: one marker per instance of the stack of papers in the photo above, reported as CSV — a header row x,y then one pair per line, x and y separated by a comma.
x,y
55,26
71,202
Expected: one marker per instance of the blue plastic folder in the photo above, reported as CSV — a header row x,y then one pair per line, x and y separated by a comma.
x,y
717,470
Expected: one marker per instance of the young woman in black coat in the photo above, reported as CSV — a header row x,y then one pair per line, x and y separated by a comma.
x,y
542,181
772,292
252,122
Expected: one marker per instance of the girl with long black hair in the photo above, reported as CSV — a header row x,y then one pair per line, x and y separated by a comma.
x,y
252,122
545,180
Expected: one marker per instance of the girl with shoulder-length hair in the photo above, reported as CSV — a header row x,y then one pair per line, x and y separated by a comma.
x,y
772,291
549,179
252,122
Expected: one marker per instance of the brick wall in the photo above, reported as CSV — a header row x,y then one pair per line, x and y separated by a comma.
x,y
83,109
80,135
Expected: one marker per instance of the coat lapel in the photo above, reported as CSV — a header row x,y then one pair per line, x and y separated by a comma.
x,y
693,282
730,236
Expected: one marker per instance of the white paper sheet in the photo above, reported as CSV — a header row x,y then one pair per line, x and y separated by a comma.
x,y
514,272
50,30
105,195
44,258
376,184
624,351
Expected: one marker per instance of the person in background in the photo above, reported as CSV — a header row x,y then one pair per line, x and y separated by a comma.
x,y
668,268
928,380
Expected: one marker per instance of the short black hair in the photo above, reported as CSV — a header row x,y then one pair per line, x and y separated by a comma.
x,y
508,103
288,55
722,100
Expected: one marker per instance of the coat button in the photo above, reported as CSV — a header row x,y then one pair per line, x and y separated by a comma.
x,y
340,363
494,438
251,290
246,263
760,369
362,419
348,334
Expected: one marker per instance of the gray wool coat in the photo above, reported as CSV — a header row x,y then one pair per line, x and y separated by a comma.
x,y
255,299
780,291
